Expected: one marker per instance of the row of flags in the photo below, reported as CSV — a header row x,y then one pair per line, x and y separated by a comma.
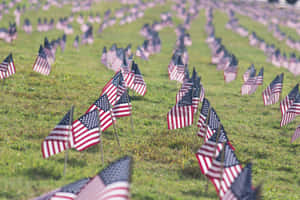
x,y
114,102
218,161
111,183
220,55
251,80
233,24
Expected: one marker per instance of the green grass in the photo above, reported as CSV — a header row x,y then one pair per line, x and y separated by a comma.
x,y
165,166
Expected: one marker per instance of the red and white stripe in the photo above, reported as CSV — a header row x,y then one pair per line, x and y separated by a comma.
x,y
272,96
111,91
122,110
105,118
196,101
285,104
83,137
180,116
63,196
290,114
139,85
229,196
229,75
114,191
296,134
42,66
129,79
207,132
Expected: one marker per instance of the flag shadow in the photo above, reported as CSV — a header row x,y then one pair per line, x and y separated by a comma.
x,y
191,172
74,162
199,193
38,173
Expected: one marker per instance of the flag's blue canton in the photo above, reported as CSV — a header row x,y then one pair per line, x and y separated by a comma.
x,y
76,186
90,120
66,119
222,136
11,57
293,93
252,72
205,107
214,120
42,53
242,185
196,91
120,170
124,98
116,79
104,49
8,58
261,72
230,158
136,69
103,103
277,80
186,100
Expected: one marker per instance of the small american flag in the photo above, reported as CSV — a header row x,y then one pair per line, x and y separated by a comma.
x,y
105,115
41,64
139,84
7,67
288,101
292,112
231,71
248,72
225,172
86,131
203,113
123,107
296,134
242,187
114,88
104,56
181,115
260,77
212,125
272,93
60,137
112,183
249,86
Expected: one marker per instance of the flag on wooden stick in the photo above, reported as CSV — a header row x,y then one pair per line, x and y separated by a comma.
x,y
272,93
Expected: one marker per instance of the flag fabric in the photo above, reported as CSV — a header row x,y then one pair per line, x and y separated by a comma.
x,y
114,88
181,115
41,64
260,77
7,67
292,112
185,87
86,131
203,113
241,188
68,192
211,127
60,137
105,112
112,183
128,76
288,101
296,134
229,170
139,85
272,93
123,107
249,86
248,72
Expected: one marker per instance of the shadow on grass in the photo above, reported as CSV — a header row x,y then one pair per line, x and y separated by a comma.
x,y
6,195
199,193
140,196
41,172
191,172
74,162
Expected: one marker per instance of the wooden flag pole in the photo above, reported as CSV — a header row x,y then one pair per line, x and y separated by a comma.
x,y
69,139
101,144
206,123
131,120
115,129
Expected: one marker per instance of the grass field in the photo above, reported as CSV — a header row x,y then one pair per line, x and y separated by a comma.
x,y
164,163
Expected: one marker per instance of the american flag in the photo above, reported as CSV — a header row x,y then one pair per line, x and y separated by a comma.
x,y
7,67
292,111
288,101
296,134
41,64
185,87
139,84
224,173
86,131
260,77
112,183
272,93
241,188
203,113
48,51
104,56
123,107
231,71
248,72
181,115
249,85
114,88
212,125
60,137
128,75
176,70
68,192
105,112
